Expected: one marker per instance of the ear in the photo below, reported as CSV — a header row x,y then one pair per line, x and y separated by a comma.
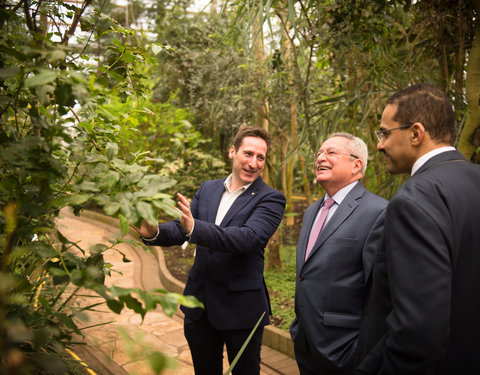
x,y
232,151
418,133
357,166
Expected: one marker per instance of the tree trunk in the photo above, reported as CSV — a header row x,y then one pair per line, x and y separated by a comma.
x,y
273,252
273,260
291,157
258,50
306,181
472,87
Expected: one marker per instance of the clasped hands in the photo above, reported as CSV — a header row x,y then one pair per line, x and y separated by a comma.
x,y
147,230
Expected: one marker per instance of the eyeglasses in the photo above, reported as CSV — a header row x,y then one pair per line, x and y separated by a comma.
x,y
383,134
333,152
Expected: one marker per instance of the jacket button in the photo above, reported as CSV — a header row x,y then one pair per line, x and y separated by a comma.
x,y
301,277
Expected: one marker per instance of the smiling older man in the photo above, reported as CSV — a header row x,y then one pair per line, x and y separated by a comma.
x,y
332,260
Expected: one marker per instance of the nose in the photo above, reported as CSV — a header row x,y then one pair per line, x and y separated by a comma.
x,y
321,157
380,145
253,161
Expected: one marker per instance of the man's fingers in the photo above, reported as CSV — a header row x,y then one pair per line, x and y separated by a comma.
x,y
183,200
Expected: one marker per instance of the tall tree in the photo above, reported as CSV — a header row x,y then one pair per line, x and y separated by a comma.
x,y
469,138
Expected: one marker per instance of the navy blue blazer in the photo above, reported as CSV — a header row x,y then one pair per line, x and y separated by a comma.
x,y
422,315
330,284
227,274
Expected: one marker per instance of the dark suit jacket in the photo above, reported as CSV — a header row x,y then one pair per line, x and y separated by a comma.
x,y
429,271
330,285
227,275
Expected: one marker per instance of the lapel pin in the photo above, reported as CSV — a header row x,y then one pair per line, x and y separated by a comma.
x,y
253,193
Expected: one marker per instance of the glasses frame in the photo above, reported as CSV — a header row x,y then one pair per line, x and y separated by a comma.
x,y
382,134
332,152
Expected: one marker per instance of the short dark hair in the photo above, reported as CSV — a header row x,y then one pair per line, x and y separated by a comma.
x,y
250,131
428,105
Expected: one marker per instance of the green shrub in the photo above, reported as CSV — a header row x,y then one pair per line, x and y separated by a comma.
x,y
281,287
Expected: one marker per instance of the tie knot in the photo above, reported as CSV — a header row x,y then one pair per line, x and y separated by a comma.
x,y
328,203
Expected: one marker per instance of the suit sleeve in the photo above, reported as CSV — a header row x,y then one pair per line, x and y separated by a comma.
x,y
420,275
244,237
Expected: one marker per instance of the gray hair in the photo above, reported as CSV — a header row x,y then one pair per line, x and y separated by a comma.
x,y
356,147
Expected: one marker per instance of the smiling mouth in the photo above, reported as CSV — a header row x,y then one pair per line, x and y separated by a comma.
x,y
323,168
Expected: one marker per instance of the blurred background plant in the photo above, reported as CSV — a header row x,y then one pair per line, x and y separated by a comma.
x,y
65,141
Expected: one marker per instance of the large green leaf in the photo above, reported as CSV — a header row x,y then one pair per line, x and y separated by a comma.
x,y
43,77
124,227
145,210
111,208
69,200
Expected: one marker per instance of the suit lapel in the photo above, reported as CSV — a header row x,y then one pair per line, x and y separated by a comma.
x,y
344,210
443,157
241,201
214,200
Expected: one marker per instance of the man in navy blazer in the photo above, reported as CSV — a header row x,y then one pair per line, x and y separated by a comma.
x,y
330,280
422,314
230,220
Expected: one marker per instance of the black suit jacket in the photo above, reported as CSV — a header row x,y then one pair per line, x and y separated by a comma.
x,y
423,311
330,284
227,275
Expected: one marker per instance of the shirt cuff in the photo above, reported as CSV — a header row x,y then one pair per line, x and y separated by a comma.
x,y
152,238
191,232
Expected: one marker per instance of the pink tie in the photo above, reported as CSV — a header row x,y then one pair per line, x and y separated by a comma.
x,y
317,227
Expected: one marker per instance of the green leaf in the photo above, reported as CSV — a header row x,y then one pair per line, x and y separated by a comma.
x,y
133,304
146,212
158,362
43,77
160,182
45,93
115,305
88,186
167,207
123,224
69,200
101,199
240,352
111,208
98,248
108,180
118,291
6,73
111,150
157,48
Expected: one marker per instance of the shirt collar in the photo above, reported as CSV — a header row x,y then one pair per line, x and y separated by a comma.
x,y
228,181
423,159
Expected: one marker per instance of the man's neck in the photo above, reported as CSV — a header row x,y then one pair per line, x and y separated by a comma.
x,y
235,185
332,190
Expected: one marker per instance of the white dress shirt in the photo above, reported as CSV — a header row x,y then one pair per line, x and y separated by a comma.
x,y
423,159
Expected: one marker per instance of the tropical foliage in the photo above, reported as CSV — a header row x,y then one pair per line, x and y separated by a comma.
x,y
98,111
